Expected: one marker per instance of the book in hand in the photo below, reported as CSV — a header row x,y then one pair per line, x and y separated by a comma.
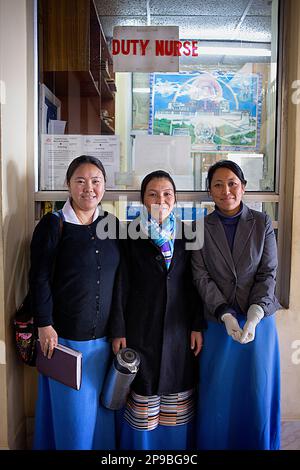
x,y
64,365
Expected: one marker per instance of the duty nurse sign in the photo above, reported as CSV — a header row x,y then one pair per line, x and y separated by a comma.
x,y
149,48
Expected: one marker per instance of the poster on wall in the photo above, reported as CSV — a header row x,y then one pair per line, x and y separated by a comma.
x,y
221,111
57,152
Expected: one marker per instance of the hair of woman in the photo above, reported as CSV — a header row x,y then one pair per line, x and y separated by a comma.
x,y
82,159
236,169
153,175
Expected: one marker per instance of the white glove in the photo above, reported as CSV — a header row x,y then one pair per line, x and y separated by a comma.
x,y
254,315
232,326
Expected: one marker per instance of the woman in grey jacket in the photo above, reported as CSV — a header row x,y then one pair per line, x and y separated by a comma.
x,y
234,272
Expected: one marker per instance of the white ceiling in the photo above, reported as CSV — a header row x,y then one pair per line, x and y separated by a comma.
x,y
233,20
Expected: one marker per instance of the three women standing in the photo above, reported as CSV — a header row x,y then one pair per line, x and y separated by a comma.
x,y
159,314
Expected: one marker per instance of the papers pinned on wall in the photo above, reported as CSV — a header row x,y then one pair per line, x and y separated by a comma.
x,y
56,126
57,152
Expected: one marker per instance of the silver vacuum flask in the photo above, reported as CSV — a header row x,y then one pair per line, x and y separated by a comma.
x,y
119,378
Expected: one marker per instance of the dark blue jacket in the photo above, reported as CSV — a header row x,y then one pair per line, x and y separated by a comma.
x,y
157,311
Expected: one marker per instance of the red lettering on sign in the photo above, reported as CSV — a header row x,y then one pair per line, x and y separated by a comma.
x,y
175,48
163,47
144,45
169,48
134,43
125,46
159,47
186,48
115,46
195,49
129,46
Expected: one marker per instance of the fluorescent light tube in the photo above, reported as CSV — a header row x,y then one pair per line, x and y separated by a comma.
x,y
234,51
141,90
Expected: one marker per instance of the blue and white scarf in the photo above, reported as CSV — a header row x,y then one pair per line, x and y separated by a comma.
x,y
163,235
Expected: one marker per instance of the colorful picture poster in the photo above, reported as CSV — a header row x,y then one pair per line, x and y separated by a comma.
x,y
219,110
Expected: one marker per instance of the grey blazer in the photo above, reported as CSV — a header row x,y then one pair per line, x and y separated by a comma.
x,y
248,274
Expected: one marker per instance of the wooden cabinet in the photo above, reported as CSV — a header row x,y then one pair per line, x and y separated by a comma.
x,y
107,91
76,65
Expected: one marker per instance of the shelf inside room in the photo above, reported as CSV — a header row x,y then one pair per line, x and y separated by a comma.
x,y
62,82
106,128
76,65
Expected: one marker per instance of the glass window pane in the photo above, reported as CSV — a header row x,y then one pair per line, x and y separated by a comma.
x,y
220,105
76,92
225,100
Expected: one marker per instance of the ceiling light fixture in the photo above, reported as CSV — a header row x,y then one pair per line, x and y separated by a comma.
x,y
141,90
233,51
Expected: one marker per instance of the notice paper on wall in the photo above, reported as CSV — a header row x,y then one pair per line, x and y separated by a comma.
x,y
56,126
57,152
162,152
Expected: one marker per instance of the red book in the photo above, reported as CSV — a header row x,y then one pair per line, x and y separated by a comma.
x,y
64,365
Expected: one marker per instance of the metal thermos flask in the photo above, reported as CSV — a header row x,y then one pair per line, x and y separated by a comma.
x,y
120,375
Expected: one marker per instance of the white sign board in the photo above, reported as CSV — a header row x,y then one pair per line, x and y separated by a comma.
x,y
146,49
57,152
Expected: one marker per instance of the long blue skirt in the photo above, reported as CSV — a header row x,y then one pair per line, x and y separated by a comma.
x,y
239,390
68,419
180,437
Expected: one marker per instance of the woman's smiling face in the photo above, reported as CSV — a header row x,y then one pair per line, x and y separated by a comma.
x,y
227,191
86,187
159,198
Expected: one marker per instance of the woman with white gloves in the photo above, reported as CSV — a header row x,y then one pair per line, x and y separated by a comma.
x,y
234,272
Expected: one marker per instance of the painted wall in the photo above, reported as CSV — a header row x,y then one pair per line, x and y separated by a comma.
x,y
289,320
16,150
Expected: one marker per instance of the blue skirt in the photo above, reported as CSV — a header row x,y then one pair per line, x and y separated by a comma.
x,y
180,437
239,390
73,419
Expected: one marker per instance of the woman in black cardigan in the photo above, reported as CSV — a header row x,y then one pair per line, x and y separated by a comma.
x,y
72,277
162,320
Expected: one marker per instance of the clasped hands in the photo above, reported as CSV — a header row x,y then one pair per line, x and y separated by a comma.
x,y
254,315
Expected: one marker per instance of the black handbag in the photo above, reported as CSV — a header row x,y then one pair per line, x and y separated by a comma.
x,y
25,331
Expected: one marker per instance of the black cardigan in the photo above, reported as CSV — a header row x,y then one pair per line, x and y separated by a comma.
x,y
156,312
72,278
